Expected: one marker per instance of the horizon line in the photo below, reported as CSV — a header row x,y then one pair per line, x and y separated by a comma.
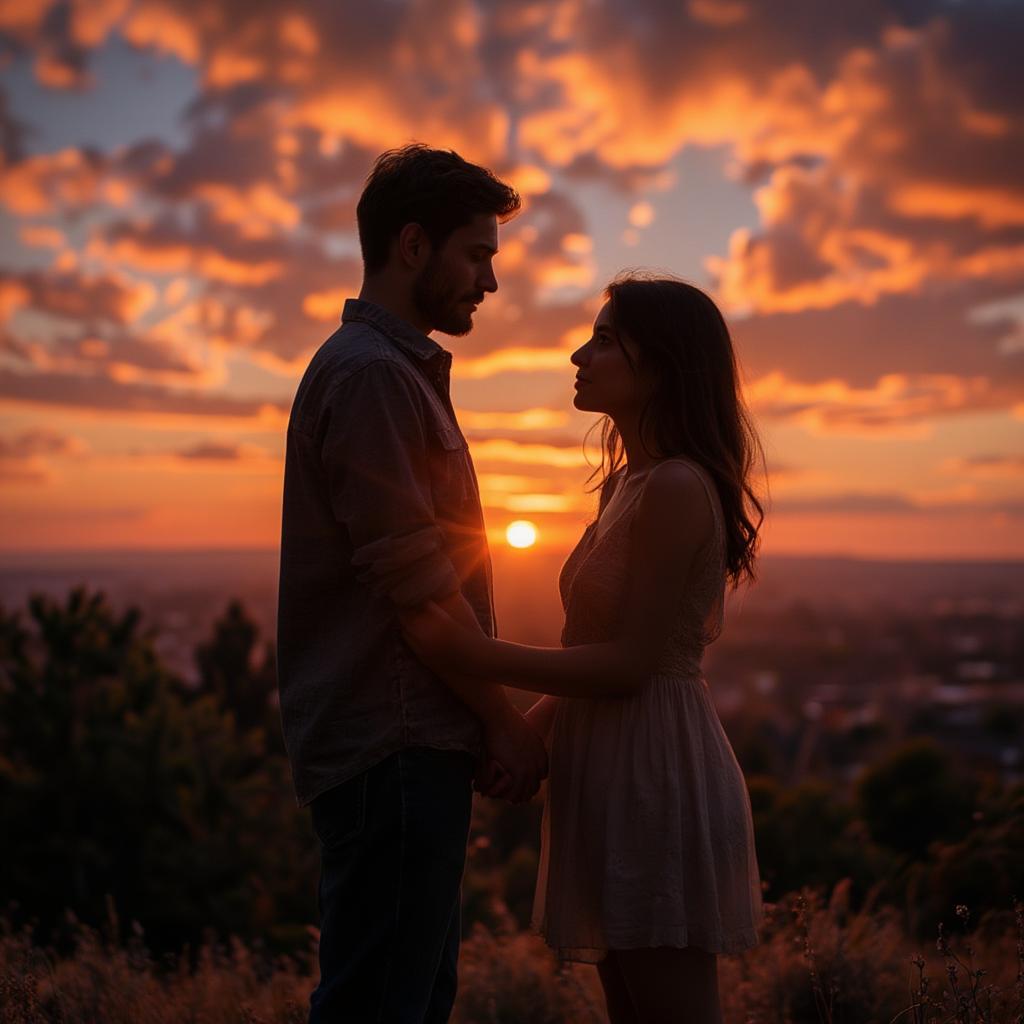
x,y
22,553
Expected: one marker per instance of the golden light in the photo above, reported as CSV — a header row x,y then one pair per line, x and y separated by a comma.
x,y
521,534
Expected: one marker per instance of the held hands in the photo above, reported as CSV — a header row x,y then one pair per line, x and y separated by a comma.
x,y
514,761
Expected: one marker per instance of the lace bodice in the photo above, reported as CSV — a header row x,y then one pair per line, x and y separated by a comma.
x,y
593,585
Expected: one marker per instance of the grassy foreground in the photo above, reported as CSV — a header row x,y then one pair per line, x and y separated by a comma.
x,y
818,962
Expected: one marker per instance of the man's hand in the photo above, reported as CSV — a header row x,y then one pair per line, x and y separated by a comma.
x,y
515,761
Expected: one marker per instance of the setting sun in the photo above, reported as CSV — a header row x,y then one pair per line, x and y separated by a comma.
x,y
521,534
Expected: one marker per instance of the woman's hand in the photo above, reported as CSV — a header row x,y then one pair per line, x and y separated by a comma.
x,y
441,643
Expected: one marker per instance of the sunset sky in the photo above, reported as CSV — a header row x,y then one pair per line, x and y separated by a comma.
x,y
177,214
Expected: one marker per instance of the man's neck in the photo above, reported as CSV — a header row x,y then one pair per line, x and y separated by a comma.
x,y
394,300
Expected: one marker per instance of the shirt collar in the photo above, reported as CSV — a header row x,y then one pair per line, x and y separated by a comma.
x,y
402,333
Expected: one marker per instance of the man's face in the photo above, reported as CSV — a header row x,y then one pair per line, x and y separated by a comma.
x,y
455,278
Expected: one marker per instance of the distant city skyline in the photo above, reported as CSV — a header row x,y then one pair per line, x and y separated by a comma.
x,y
177,194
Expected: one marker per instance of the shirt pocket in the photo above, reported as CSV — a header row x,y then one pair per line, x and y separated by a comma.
x,y
455,482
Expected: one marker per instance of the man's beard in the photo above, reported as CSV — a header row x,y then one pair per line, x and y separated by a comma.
x,y
437,302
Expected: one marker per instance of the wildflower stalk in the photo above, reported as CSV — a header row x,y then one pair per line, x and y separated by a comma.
x,y
822,1003
1018,988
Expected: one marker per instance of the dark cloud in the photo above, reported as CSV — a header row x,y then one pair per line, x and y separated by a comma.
x,y
13,132
891,503
572,441
102,394
1005,466
214,451
24,456
94,313
40,441
266,281
898,334
84,298
47,32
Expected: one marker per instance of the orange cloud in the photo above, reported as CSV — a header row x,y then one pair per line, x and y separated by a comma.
x,y
257,210
22,16
141,403
497,451
994,467
815,251
512,359
719,13
88,297
534,503
525,419
13,295
40,441
641,215
25,458
42,236
991,207
66,179
898,405
93,20
176,257
159,25
327,305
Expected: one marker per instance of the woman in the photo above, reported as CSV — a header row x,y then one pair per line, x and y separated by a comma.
x,y
647,862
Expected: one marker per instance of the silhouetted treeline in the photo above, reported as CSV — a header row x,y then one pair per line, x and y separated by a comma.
x,y
117,779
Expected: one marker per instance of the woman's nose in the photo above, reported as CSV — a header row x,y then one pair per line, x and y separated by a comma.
x,y
577,357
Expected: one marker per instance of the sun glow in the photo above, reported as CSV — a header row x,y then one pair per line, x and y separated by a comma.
x,y
521,534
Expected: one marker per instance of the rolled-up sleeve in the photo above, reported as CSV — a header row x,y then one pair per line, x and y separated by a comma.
x,y
377,464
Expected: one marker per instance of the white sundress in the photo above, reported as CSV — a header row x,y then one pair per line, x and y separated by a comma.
x,y
647,838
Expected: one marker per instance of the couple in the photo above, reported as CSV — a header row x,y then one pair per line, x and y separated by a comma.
x,y
391,681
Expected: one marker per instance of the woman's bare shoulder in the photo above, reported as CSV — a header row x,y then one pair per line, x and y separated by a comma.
x,y
674,495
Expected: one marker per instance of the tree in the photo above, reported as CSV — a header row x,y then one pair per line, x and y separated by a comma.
x,y
984,871
241,673
806,836
112,783
913,797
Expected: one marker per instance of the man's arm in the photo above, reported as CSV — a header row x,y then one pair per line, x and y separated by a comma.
x,y
514,760
489,702
377,462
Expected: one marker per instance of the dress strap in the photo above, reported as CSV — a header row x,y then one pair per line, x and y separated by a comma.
x,y
629,503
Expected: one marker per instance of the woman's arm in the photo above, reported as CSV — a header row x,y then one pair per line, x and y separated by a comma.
x,y
674,519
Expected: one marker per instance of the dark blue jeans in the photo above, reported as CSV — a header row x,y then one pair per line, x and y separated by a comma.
x,y
392,853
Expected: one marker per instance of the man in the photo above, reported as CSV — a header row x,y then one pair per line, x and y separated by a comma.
x,y
382,513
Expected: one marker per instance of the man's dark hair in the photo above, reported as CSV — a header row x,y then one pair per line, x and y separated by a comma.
x,y
434,188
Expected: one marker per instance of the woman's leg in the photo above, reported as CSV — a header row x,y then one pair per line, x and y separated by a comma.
x,y
671,986
620,1004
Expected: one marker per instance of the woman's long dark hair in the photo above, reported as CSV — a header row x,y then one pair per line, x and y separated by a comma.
x,y
696,409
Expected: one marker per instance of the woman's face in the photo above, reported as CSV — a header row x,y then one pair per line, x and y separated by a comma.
x,y
606,381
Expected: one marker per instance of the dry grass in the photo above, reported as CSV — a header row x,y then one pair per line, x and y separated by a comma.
x,y
120,984
819,963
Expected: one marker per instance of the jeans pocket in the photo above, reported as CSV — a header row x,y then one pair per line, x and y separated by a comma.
x,y
340,813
